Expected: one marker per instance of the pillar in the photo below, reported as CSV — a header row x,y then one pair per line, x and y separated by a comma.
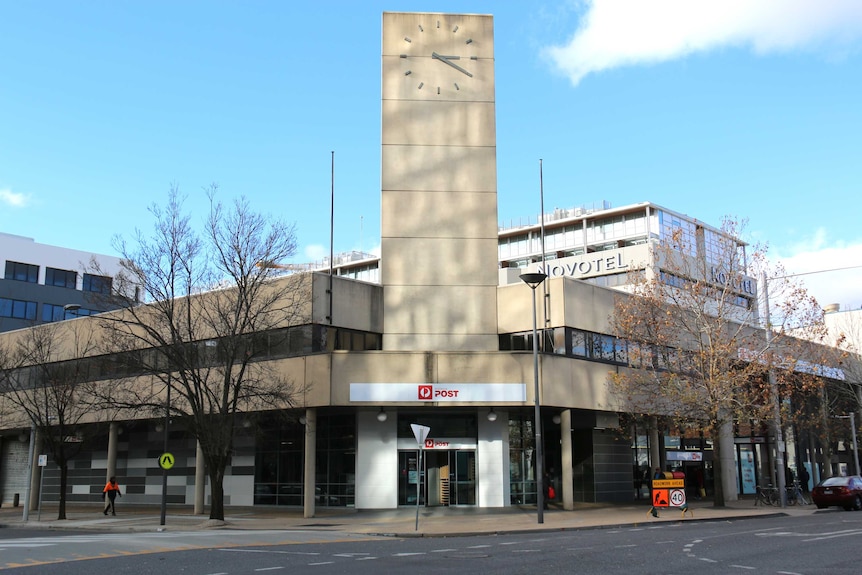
x,y
200,479
567,459
655,446
113,433
310,462
36,472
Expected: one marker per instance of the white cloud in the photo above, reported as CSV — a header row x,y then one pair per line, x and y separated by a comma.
x,y
10,198
832,272
316,252
615,33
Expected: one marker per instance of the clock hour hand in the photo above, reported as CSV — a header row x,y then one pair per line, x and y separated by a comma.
x,y
448,60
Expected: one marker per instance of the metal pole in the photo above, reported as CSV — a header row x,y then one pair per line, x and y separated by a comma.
x,y
780,479
165,450
855,446
418,484
540,493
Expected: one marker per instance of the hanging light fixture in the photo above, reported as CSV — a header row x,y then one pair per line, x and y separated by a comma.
x,y
492,415
382,415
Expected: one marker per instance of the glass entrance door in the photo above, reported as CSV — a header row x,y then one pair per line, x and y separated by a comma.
x,y
448,478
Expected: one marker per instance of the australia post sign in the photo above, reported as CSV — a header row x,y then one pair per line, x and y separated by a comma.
x,y
438,392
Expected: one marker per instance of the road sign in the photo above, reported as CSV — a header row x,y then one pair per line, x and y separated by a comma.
x,y
166,460
43,460
677,497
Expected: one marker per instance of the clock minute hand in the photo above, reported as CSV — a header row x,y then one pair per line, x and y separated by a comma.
x,y
448,60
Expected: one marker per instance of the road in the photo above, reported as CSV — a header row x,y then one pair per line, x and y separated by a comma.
x,y
824,542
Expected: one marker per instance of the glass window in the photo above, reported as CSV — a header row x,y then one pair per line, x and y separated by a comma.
x,y
22,272
52,312
61,278
97,284
17,309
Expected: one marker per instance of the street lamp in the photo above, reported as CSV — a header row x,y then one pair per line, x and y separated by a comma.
x,y
71,307
852,418
534,280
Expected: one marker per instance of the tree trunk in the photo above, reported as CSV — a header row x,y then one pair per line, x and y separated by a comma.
x,y
64,476
217,493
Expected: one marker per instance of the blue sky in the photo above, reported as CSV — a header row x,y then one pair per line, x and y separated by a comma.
x,y
742,108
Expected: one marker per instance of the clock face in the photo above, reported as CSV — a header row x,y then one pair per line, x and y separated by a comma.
x,y
438,56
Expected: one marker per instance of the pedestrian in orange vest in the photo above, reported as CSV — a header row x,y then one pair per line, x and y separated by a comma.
x,y
109,494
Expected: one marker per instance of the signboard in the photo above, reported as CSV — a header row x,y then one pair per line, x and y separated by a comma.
x,y
439,392
43,460
684,456
166,460
668,492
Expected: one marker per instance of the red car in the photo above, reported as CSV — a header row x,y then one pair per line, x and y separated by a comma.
x,y
843,491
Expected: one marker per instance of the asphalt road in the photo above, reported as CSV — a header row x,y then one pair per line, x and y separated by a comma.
x,y
824,542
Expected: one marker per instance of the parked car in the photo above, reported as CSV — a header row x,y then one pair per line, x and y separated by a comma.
x,y
843,491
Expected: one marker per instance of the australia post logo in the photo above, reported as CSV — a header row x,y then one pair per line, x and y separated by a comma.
x,y
429,393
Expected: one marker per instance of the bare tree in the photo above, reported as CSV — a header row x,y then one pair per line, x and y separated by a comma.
x,y
696,344
212,306
45,381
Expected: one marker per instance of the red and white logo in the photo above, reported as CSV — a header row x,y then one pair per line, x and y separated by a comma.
x,y
429,444
426,392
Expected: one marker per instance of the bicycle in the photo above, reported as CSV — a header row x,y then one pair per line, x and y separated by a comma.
x,y
795,496
766,496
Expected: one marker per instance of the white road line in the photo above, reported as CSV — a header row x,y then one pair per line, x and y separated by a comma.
x,y
321,563
788,573
443,550
269,569
526,551
407,554
267,551
707,560
477,546
742,566
624,546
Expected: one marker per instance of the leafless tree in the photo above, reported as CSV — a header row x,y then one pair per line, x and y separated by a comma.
x,y
212,307
45,374
697,349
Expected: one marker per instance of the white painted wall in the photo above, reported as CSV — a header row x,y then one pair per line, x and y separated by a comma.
x,y
492,460
376,460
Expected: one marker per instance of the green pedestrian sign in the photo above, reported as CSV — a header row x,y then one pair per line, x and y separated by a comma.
x,y
166,460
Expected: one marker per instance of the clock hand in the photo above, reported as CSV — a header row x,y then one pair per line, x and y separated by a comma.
x,y
448,60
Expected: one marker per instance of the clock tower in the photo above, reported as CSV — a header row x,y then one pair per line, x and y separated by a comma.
x,y
439,183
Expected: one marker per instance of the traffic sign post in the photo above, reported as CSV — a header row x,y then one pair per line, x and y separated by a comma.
x,y
669,492
420,432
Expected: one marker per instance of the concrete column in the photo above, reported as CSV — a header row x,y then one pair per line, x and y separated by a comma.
x,y
200,480
567,459
36,472
113,433
310,462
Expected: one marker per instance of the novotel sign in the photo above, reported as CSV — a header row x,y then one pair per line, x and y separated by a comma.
x,y
438,392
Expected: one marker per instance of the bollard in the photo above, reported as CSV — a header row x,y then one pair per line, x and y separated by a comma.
x,y
16,499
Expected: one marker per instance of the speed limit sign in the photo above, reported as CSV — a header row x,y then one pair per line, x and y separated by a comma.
x,y
677,497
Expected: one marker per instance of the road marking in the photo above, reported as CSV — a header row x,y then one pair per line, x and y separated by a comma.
x,y
269,569
443,550
707,560
742,566
407,554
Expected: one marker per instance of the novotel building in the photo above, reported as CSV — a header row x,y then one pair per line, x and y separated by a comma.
x,y
436,332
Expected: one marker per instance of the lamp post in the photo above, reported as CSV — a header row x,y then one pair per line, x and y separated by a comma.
x,y
534,280
852,418
164,509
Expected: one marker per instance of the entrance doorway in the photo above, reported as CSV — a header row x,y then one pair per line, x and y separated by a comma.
x,y
448,478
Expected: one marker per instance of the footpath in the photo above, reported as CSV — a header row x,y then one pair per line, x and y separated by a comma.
x,y
402,522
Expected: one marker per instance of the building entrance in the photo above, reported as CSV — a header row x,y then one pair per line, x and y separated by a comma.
x,y
448,478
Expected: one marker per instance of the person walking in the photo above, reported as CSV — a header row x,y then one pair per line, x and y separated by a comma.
x,y
110,493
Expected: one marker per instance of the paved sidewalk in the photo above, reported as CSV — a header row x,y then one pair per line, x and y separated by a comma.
x,y
402,522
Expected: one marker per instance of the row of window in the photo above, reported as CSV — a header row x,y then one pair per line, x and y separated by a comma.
x,y
29,273
273,344
599,347
22,309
